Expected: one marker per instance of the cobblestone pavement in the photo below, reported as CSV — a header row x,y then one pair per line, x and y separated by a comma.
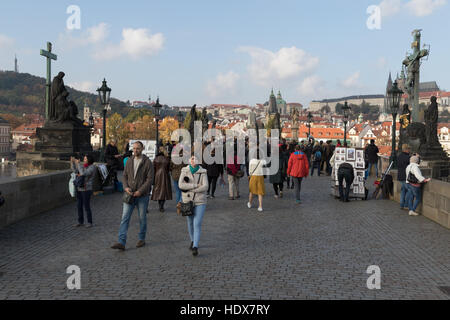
x,y
320,249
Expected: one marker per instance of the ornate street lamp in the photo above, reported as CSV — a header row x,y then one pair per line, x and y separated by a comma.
x,y
310,119
157,108
394,97
346,110
180,118
104,93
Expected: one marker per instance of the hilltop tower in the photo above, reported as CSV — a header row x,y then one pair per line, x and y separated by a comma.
x,y
16,66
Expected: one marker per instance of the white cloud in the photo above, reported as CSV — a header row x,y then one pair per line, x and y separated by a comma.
x,y
85,86
390,7
223,84
286,63
419,8
5,41
93,35
422,8
135,43
352,81
311,86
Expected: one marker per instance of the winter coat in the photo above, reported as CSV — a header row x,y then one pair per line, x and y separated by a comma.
x,y
175,170
347,170
282,169
372,153
144,175
163,187
88,174
298,165
110,152
414,169
196,187
402,164
214,170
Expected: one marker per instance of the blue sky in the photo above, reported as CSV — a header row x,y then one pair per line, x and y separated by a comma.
x,y
226,51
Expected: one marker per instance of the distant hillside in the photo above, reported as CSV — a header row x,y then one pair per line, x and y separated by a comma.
x,y
24,93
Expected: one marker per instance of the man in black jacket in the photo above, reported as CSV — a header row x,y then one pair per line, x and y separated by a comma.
x,y
372,155
346,172
402,163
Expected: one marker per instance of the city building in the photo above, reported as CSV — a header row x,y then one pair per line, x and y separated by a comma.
x,y
5,137
22,134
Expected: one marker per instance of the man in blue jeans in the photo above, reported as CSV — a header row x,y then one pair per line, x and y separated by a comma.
x,y
137,181
402,164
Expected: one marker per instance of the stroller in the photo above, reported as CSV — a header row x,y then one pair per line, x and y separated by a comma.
x,y
380,182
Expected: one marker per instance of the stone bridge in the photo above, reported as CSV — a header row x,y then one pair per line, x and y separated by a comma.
x,y
320,249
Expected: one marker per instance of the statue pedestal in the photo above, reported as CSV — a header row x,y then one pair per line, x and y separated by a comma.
x,y
64,139
57,142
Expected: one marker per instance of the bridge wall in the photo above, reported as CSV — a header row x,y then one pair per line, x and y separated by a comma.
x,y
32,195
435,198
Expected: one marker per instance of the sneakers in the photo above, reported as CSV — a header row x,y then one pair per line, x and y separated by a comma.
x,y
275,196
249,205
212,196
89,225
281,194
208,196
260,209
140,244
195,251
412,213
118,246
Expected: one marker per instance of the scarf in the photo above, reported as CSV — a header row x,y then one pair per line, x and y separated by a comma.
x,y
194,170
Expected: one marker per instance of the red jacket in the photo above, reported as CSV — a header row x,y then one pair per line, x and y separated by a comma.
x,y
298,165
234,167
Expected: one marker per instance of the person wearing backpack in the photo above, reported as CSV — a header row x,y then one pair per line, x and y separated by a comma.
x,y
316,159
84,191
414,181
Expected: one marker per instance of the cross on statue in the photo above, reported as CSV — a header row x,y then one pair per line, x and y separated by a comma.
x,y
50,56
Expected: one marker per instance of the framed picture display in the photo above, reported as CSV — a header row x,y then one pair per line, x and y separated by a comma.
x,y
351,154
360,164
359,155
356,189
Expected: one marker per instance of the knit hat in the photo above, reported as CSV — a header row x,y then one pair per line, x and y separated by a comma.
x,y
414,159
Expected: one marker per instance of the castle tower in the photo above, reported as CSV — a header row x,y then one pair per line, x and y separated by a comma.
x,y
388,87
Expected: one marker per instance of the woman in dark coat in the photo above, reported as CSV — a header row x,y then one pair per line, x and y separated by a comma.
x,y
278,178
214,171
162,190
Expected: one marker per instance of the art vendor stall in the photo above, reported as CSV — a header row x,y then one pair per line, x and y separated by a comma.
x,y
355,157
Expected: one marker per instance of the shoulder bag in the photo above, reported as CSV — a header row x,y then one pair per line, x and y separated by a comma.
x,y
187,208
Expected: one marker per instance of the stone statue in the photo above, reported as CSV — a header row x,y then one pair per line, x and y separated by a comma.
x,y
61,110
412,65
431,120
295,118
405,120
59,94
204,120
416,137
405,117
192,121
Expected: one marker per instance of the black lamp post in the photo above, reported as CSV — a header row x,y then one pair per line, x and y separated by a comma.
x,y
394,96
346,110
104,93
157,108
310,119
180,118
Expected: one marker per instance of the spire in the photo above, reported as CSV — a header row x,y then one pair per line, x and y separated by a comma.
x,y
16,66
389,83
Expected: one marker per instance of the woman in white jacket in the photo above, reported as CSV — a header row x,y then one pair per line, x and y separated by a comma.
x,y
414,181
193,183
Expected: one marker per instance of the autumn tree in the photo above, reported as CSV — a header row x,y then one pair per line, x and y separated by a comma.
x,y
117,129
145,128
166,127
14,121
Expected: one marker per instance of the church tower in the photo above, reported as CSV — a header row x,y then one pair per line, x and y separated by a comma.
x,y
388,87
272,104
